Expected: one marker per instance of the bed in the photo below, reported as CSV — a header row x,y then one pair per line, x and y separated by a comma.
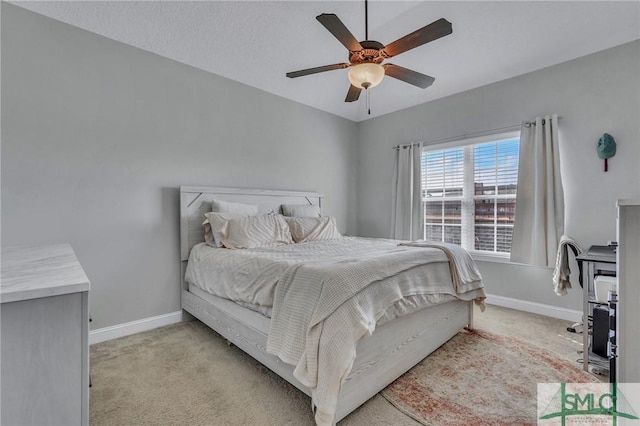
x,y
381,357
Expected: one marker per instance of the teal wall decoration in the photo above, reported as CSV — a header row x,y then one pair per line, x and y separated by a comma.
x,y
606,149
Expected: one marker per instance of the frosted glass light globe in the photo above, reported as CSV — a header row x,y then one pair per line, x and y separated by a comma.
x,y
366,75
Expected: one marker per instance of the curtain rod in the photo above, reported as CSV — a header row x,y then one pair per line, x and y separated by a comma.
x,y
405,146
474,134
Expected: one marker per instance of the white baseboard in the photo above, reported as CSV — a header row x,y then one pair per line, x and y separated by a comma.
x,y
535,308
133,327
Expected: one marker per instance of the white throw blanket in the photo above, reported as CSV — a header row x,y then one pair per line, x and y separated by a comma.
x,y
331,305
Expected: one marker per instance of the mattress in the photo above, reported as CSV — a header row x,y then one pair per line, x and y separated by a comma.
x,y
259,319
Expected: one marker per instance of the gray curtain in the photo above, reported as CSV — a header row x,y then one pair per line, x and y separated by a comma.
x,y
407,215
539,217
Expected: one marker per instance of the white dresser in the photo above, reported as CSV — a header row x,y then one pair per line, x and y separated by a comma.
x,y
44,295
628,318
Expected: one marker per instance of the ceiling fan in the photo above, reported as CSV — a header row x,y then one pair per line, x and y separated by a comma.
x,y
366,57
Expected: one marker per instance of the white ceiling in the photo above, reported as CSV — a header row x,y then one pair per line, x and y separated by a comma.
x,y
257,42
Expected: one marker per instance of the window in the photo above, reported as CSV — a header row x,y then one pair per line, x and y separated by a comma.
x,y
469,192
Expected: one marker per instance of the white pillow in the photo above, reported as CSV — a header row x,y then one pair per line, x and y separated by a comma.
x,y
301,210
305,229
236,208
215,227
268,230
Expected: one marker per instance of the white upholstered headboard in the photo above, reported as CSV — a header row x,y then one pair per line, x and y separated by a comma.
x,y
195,201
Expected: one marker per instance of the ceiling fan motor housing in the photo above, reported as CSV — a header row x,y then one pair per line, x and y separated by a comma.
x,y
370,53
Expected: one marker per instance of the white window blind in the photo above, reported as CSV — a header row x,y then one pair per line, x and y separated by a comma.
x,y
469,193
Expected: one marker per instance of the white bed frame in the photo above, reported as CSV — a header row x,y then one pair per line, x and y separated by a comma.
x,y
382,357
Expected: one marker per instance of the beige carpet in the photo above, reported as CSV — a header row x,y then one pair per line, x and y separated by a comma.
x,y
187,375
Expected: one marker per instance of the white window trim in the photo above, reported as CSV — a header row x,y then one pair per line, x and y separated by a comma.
x,y
487,256
483,256
489,137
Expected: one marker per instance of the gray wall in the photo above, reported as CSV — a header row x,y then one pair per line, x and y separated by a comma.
x,y
595,94
97,136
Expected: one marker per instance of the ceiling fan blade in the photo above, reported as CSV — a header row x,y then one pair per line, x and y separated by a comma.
x,y
315,70
335,26
353,94
433,31
408,76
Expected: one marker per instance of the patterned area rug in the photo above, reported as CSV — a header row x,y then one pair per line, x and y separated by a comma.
x,y
480,378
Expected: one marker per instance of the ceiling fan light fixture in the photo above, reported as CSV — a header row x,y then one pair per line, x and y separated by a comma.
x,y
366,75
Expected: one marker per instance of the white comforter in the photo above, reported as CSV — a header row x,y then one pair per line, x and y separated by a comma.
x,y
250,276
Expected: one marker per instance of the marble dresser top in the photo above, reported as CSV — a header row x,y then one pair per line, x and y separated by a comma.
x,y
628,202
42,271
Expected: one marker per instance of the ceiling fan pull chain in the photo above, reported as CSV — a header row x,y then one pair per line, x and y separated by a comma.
x,y
368,102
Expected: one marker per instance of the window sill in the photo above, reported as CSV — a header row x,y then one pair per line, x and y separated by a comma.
x,y
490,257
500,258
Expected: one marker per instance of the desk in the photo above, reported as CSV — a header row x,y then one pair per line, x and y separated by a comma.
x,y
595,261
